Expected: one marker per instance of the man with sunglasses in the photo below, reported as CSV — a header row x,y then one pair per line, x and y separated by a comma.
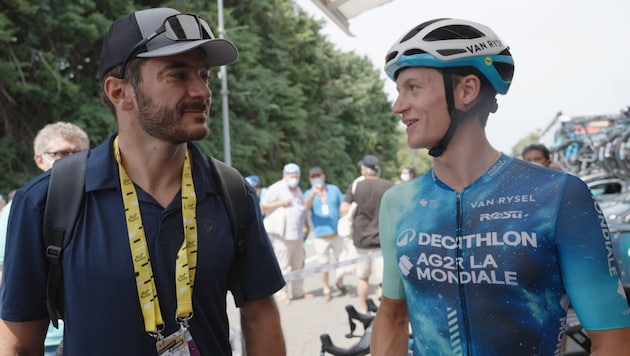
x,y
147,270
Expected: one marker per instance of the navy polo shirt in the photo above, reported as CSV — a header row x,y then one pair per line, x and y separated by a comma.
x,y
102,313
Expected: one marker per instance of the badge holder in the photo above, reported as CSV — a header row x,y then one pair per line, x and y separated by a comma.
x,y
179,343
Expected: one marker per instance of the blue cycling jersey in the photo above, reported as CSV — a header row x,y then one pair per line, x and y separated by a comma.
x,y
491,270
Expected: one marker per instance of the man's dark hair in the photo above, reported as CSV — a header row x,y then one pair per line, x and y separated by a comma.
x,y
536,146
132,75
412,171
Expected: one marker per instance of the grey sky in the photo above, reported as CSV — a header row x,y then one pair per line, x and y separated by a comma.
x,y
570,56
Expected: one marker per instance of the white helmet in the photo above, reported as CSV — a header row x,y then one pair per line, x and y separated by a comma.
x,y
451,43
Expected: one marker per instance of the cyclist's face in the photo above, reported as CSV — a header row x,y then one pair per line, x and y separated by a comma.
x,y
422,103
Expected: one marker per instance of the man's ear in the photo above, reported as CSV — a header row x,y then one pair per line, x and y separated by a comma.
x,y
470,87
40,162
119,92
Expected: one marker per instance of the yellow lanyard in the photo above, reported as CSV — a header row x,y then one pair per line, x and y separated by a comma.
x,y
186,262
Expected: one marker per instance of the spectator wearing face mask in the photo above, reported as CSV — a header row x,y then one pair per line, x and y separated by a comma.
x,y
407,174
285,222
323,201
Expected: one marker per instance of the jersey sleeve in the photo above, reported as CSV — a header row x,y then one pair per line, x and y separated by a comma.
x,y
587,261
393,286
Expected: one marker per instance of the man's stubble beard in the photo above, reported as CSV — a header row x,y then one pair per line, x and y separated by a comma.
x,y
167,124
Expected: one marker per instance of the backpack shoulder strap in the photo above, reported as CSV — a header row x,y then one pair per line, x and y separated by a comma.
x,y
63,204
234,195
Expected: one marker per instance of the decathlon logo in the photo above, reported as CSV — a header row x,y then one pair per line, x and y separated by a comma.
x,y
500,215
405,237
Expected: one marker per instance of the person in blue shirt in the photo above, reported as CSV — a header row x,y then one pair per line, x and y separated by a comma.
x,y
147,269
484,253
322,200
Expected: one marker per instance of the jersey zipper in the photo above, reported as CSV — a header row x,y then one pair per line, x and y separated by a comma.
x,y
462,294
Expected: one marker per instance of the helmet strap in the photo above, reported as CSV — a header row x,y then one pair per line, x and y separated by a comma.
x,y
457,116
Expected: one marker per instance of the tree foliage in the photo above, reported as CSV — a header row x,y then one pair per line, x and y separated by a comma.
x,y
293,96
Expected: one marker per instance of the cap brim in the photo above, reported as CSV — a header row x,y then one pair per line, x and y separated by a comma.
x,y
219,52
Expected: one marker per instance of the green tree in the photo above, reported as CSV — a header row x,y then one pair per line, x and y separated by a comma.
x,y
48,64
293,96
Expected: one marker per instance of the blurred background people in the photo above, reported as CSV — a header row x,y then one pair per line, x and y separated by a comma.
x,y
539,154
285,222
254,181
407,174
367,195
323,201
52,142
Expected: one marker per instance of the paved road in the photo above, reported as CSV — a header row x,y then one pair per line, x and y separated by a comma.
x,y
303,321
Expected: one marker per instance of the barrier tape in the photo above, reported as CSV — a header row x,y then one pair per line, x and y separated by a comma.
x,y
293,275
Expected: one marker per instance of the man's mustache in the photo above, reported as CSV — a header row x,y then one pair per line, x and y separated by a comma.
x,y
201,105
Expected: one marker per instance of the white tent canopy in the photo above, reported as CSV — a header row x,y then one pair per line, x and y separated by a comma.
x,y
340,11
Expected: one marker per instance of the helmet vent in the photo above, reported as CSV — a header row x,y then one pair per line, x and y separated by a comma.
x,y
390,56
454,32
414,51
450,52
419,28
506,71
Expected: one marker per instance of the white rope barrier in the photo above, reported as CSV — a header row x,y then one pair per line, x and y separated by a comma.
x,y
293,275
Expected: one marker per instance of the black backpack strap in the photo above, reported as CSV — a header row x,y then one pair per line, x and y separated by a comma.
x,y
234,195
63,204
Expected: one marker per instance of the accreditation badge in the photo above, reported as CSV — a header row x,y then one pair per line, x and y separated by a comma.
x,y
179,343
325,210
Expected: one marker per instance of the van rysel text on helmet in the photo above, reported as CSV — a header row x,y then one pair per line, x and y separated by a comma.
x,y
484,45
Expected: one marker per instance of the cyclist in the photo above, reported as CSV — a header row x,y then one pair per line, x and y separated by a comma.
x,y
483,252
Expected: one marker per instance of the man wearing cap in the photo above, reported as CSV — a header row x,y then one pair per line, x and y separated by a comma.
x,y
285,222
367,195
146,272
254,181
323,201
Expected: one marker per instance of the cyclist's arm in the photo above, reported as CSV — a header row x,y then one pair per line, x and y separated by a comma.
x,y
392,281
589,273
390,329
260,321
613,342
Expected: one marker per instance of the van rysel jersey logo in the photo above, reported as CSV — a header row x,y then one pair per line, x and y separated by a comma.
x,y
499,215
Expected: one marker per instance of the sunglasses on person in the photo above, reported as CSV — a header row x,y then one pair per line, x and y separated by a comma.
x,y
180,27
60,154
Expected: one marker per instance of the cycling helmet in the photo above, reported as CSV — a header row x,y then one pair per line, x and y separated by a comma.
x,y
450,43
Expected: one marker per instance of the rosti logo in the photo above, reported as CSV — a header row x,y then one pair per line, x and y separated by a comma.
x,y
498,215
